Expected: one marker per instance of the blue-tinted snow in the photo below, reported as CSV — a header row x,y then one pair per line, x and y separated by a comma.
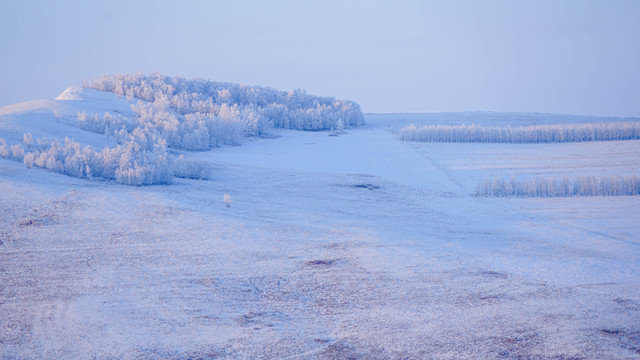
x,y
355,245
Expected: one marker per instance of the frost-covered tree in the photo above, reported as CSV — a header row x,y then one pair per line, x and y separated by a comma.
x,y
4,148
27,139
17,152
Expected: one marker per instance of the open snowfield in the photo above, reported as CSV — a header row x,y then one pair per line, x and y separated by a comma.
x,y
334,247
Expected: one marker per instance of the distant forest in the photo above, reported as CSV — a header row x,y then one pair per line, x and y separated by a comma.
x,y
499,186
547,133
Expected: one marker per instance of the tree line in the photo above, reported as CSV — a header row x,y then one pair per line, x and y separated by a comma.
x,y
540,186
548,133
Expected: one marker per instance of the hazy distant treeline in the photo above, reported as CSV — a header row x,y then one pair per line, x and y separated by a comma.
x,y
523,134
560,187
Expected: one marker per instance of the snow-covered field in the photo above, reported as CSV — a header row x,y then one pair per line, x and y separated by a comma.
x,y
334,247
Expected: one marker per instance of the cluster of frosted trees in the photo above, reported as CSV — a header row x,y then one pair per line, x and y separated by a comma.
x,y
126,163
174,113
554,187
523,134
254,109
155,124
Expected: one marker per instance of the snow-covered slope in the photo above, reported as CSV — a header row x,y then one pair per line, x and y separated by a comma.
x,y
349,246
56,119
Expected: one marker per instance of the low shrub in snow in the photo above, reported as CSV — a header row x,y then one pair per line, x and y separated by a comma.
x,y
523,134
189,169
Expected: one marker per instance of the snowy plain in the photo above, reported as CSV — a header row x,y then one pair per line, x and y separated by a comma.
x,y
334,247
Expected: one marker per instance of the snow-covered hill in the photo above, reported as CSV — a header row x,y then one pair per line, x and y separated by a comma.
x,y
159,116
350,246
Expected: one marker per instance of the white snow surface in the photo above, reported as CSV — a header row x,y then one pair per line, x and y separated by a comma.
x,y
72,93
333,247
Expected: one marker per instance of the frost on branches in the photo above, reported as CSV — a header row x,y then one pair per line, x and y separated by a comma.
x,y
127,164
211,106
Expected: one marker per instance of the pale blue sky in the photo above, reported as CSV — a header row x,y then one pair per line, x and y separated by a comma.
x,y
576,57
